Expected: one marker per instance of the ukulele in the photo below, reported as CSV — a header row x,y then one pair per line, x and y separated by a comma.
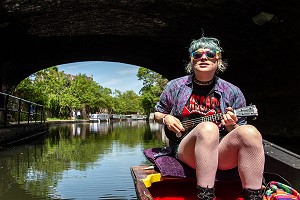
x,y
194,119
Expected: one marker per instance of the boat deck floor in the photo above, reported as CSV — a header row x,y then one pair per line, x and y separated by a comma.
x,y
179,188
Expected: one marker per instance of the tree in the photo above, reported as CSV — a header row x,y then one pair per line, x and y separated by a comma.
x,y
61,93
55,86
150,79
153,85
28,90
127,102
45,87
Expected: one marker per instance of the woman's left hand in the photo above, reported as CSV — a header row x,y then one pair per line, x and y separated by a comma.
x,y
229,118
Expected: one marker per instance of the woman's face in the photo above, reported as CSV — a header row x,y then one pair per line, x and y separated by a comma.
x,y
205,60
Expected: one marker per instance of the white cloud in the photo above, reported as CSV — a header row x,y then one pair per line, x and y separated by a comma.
x,y
116,76
76,65
112,82
127,71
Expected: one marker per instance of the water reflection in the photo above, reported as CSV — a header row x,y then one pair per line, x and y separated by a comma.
x,y
78,161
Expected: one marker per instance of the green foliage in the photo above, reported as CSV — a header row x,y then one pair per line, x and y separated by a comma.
x,y
127,102
27,89
61,93
153,85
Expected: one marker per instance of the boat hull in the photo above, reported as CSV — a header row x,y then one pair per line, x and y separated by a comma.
x,y
94,120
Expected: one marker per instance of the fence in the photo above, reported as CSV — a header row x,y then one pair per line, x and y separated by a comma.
x,y
16,110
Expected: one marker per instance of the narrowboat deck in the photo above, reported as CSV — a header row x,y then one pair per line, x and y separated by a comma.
x,y
150,185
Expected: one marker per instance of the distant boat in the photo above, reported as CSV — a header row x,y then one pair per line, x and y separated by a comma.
x,y
128,117
151,116
138,117
95,118
118,117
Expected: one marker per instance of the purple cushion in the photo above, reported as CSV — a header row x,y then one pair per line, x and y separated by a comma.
x,y
168,165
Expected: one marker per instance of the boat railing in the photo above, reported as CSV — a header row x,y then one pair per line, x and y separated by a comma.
x,y
283,162
15,110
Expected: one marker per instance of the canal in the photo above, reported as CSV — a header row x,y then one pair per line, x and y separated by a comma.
x,y
81,161
78,161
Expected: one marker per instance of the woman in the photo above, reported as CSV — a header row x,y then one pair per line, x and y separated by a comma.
x,y
202,92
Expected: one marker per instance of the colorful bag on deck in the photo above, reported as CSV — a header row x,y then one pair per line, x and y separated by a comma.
x,y
279,191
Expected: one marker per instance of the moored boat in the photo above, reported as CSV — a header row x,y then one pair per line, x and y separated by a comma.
x,y
118,117
95,118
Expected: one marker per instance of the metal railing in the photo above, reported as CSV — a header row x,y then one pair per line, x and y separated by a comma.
x,y
14,110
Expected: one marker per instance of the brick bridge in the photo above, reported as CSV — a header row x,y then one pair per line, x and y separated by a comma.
x,y
260,39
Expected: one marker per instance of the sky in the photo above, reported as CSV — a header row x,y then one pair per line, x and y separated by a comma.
x,y
113,75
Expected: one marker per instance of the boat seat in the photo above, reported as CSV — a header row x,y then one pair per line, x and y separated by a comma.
x,y
169,167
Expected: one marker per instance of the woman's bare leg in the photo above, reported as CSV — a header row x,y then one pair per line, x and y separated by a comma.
x,y
199,150
243,147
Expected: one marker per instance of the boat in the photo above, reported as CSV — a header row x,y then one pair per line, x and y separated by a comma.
x,y
118,117
136,117
95,118
150,184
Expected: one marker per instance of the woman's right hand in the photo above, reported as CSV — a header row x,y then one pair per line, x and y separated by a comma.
x,y
173,124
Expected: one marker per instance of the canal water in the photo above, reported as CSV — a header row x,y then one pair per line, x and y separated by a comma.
x,y
84,161
78,161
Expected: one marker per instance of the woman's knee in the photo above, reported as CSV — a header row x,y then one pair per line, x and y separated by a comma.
x,y
249,134
207,130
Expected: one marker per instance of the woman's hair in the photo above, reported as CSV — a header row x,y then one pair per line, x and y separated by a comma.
x,y
207,43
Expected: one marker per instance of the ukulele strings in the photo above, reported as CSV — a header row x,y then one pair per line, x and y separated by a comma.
x,y
192,122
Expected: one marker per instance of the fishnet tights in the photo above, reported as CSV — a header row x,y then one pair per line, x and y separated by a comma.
x,y
206,162
241,147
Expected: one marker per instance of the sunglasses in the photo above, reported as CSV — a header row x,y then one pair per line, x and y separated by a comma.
x,y
197,55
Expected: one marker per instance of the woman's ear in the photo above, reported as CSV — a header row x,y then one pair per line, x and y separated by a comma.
x,y
219,64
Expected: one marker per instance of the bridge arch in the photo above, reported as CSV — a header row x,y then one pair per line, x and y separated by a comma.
x,y
260,39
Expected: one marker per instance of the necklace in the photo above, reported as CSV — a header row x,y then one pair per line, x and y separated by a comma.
x,y
203,82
